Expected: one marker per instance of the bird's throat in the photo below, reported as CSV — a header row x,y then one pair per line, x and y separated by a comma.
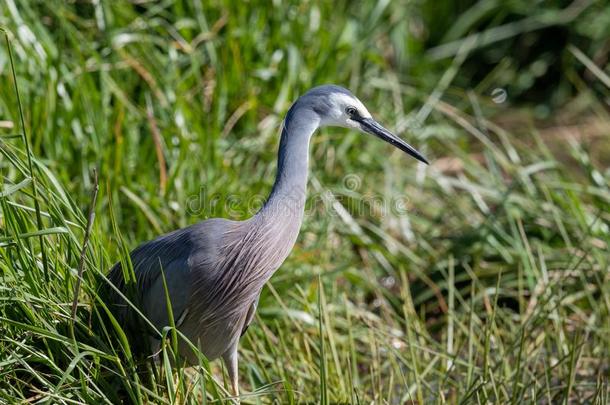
x,y
286,203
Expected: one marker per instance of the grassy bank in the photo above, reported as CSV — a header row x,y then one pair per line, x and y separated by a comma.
x,y
483,278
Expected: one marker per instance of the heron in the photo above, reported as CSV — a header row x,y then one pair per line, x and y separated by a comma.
x,y
213,271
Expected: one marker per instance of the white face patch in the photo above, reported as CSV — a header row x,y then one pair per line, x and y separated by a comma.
x,y
344,101
338,117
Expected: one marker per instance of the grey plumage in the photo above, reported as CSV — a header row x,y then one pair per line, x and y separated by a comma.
x,y
215,269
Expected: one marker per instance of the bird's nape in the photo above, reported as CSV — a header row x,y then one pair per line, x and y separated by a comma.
x,y
372,127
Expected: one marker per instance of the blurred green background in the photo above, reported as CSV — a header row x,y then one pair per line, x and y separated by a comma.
x,y
490,284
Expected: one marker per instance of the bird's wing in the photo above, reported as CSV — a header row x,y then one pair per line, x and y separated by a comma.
x,y
184,258
250,316
168,256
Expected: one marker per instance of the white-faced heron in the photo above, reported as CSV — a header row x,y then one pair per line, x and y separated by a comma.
x,y
214,270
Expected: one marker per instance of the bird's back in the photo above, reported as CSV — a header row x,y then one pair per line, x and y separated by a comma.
x,y
214,271
183,258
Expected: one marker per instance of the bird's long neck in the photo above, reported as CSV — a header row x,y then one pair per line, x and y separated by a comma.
x,y
264,241
286,203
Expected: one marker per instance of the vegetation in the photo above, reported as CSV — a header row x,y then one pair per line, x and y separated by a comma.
x,y
482,278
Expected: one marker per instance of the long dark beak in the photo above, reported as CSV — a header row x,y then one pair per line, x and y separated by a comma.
x,y
373,127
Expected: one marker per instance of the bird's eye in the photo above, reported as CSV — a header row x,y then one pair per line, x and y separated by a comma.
x,y
351,111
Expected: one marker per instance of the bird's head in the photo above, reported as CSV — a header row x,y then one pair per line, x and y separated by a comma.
x,y
338,107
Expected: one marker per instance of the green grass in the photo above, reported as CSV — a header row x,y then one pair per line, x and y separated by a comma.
x,y
483,278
